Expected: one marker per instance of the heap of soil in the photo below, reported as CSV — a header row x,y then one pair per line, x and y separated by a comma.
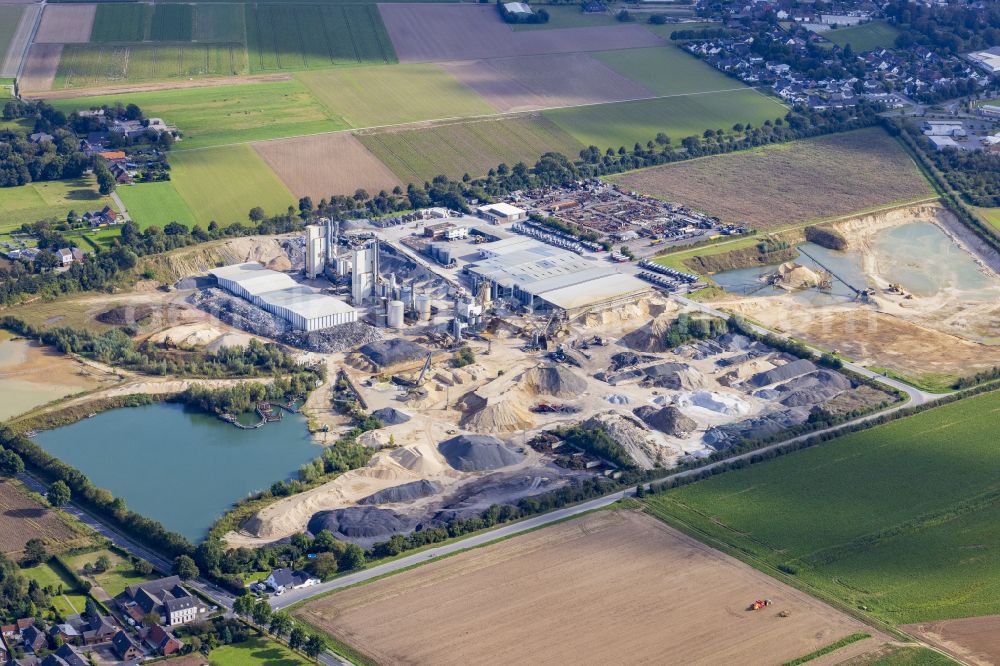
x,y
391,416
676,376
358,522
555,380
669,420
406,492
631,433
125,315
650,337
388,353
505,412
474,453
791,276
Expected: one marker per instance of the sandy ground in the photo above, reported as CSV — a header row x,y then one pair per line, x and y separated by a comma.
x,y
321,166
11,61
66,24
438,32
974,640
609,588
536,82
40,68
22,518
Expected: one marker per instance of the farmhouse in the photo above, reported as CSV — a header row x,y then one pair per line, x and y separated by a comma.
x,y
166,597
125,648
161,641
66,655
305,308
500,213
80,630
286,579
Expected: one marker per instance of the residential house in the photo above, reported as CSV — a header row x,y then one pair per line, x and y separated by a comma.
x,y
162,641
85,630
33,638
106,215
131,129
19,625
66,655
121,174
125,648
113,156
166,597
69,255
38,137
285,579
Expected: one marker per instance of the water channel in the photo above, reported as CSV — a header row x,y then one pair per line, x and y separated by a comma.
x,y
179,466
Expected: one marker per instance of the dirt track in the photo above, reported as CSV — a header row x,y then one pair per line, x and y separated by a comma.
x,y
327,164
611,587
438,32
536,82
66,24
974,640
40,68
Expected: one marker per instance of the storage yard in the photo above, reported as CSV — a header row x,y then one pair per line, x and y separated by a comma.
x,y
583,592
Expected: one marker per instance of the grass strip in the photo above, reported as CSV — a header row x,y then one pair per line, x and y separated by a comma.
x,y
832,647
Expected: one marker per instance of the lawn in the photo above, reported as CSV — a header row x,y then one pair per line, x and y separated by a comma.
x,y
472,147
568,16
293,37
155,203
901,520
114,580
864,37
121,22
71,601
381,95
50,199
10,19
256,651
224,183
625,123
83,65
667,70
220,115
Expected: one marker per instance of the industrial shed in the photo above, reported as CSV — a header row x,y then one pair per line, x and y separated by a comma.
x,y
305,308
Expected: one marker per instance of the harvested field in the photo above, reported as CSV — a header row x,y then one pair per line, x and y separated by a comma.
x,y
975,640
784,184
40,69
16,25
10,21
587,591
22,518
536,82
431,33
472,147
66,24
320,166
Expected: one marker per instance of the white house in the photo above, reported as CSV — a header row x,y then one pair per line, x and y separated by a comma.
x,y
280,580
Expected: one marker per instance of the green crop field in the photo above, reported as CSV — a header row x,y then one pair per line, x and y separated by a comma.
x,y
220,115
901,519
219,23
121,22
667,70
293,37
155,203
171,23
255,652
912,656
625,123
10,18
380,95
472,147
97,64
864,37
47,200
224,183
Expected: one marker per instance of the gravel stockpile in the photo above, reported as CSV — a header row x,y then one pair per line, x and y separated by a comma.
x,y
475,453
669,420
387,353
676,376
554,380
359,522
406,492
391,416
725,436
783,373
336,339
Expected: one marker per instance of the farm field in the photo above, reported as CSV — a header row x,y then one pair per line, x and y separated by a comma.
x,y
224,183
974,640
380,95
40,67
534,82
155,203
896,519
220,115
49,199
10,18
864,37
72,600
63,24
568,16
625,123
22,518
667,70
114,580
121,22
219,23
320,166
84,65
530,599
291,37
254,652
991,215
793,182
171,23
472,147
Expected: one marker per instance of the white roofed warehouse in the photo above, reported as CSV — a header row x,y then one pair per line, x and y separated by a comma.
x,y
305,308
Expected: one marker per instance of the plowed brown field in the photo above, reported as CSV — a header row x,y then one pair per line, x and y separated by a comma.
x,y
610,587
40,68
22,518
974,640
66,24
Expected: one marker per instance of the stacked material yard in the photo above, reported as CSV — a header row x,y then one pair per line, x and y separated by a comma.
x,y
359,522
406,492
783,373
668,420
633,435
393,352
554,380
475,453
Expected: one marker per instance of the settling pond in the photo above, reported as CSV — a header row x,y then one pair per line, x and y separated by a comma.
x,y
181,467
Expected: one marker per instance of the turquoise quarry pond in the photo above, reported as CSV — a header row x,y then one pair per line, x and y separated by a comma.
x,y
181,467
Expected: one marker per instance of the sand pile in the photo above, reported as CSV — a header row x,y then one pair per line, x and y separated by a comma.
x,y
791,276
391,416
474,453
555,380
422,459
650,337
669,420
744,371
712,403
507,412
675,376
406,492
632,434
359,522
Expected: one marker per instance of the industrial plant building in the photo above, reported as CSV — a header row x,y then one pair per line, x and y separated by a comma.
x,y
544,278
305,308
